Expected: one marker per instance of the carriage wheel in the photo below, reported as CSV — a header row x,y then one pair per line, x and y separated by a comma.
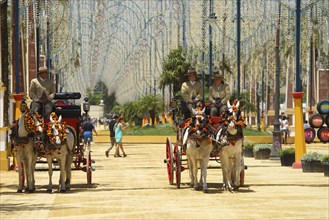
x,y
178,165
89,168
169,161
79,157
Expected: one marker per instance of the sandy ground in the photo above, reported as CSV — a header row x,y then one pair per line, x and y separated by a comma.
x,y
136,187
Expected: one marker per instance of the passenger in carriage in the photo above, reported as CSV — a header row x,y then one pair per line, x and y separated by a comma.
x,y
42,92
219,94
191,92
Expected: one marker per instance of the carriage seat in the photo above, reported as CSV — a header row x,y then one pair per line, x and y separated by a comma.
x,y
65,109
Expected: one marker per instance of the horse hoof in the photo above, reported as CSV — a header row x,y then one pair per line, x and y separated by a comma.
x,y
30,191
19,191
196,188
68,188
205,191
49,191
62,191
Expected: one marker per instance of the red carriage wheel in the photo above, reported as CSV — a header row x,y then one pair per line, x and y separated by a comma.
x,y
88,165
169,161
178,166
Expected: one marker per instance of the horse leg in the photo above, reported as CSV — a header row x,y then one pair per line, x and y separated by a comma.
x,y
69,159
20,171
224,158
203,166
195,174
34,161
190,167
29,178
62,174
50,173
237,170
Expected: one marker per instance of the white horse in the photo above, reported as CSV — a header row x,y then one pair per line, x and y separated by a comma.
x,y
61,142
23,136
231,155
197,138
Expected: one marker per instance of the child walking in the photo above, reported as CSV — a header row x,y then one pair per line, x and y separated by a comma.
x,y
118,138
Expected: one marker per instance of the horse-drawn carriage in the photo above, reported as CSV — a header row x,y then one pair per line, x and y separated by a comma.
x,y
56,138
203,138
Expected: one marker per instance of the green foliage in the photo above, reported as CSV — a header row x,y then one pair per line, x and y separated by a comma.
x,y
325,158
157,130
285,151
99,93
174,68
147,105
258,147
248,145
312,156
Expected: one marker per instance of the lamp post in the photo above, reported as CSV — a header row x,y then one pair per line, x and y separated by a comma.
x,y
212,18
299,128
238,43
276,147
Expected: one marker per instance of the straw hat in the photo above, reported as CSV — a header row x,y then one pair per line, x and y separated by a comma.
x,y
191,72
43,69
218,76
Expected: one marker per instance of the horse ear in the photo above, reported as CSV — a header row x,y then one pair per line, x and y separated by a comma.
x,y
51,119
194,112
228,104
203,110
238,104
60,119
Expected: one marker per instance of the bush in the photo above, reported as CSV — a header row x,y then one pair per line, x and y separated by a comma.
x,y
289,150
257,147
312,156
248,145
325,158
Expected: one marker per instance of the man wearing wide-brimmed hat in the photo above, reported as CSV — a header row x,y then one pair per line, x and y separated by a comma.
x,y
219,94
42,91
191,92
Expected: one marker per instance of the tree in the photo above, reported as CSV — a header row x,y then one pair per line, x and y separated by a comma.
x,y
151,104
101,93
174,68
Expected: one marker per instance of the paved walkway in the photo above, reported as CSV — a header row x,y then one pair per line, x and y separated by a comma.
x,y
137,187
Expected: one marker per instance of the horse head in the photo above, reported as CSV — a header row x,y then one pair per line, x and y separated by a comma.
x,y
56,131
234,110
29,123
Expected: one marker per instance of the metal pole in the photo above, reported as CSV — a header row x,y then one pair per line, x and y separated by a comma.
x,y
238,26
276,147
297,43
16,46
210,42
310,94
300,148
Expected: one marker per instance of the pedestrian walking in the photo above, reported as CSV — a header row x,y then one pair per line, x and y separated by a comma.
x,y
119,127
88,129
112,123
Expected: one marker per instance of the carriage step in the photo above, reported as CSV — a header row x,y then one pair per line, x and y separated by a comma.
x,y
165,161
93,161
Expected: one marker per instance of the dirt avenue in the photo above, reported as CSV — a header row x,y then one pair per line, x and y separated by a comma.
x,y
136,187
